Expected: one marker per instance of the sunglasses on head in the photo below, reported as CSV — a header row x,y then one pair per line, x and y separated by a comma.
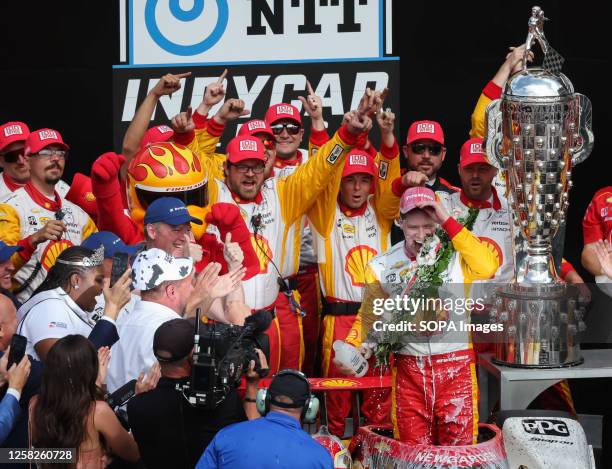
x,y
12,156
419,148
292,129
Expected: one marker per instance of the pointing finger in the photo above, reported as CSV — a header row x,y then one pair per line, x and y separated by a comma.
x,y
222,77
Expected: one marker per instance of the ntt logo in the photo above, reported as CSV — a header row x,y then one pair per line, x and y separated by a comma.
x,y
186,16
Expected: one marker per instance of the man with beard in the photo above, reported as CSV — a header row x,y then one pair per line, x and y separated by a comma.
x,y
37,218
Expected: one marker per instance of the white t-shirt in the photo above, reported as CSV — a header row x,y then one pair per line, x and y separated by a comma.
x,y
134,351
51,314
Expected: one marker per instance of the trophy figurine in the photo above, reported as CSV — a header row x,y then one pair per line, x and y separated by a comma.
x,y
536,133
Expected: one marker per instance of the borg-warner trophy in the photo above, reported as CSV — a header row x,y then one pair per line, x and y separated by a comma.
x,y
536,133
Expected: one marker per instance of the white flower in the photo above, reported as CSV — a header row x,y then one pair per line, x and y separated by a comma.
x,y
428,253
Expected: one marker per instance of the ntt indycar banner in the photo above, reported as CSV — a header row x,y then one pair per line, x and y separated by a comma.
x,y
340,84
271,47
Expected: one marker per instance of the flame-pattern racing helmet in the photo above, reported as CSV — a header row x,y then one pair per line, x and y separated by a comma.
x,y
167,169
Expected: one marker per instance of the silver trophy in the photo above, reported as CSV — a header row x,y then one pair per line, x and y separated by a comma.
x,y
536,133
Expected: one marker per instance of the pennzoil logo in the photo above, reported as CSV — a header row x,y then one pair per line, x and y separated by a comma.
x,y
52,251
356,261
334,154
494,248
264,253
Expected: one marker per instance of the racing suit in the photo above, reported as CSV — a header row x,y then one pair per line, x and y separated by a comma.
x,y
345,240
23,213
435,393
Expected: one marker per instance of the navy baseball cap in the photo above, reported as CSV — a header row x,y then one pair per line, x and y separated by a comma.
x,y
7,251
111,242
169,210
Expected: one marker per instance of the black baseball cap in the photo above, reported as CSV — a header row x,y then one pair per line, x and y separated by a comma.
x,y
289,384
173,340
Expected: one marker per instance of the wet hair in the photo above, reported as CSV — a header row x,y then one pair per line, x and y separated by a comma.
x,y
59,275
67,392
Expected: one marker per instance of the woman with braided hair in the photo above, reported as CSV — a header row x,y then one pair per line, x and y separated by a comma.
x,y
63,303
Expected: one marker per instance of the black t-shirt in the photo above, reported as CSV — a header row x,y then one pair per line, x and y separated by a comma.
x,y
172,433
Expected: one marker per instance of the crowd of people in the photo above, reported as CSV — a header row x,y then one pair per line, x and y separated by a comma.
x,y
304,234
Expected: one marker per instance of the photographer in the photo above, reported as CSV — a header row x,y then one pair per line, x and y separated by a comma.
x,y
169,431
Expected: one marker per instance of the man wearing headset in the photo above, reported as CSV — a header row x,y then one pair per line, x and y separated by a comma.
x,y
276,439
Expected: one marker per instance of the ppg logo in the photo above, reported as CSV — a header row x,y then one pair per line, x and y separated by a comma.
x,y
174,9
545,427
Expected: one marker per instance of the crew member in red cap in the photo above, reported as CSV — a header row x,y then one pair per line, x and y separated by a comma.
x,y
435,394
14,164
425,153
351,222
37,218
15,169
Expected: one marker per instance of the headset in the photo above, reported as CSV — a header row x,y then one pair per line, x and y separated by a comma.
x,y
310,408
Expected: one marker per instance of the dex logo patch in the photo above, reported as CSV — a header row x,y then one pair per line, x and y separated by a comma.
x,y
547,427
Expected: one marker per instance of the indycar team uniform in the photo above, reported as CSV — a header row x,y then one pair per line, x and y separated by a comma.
x,y
274,220
23,213
435,393
345,240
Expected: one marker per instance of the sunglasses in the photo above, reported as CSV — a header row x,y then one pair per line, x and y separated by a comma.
x,y
291,129
419,148
12,156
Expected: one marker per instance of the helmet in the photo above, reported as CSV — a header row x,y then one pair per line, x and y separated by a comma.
x,y
166,169
335,447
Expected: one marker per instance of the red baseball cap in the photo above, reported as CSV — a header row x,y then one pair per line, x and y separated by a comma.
x,y
415,195
42,138
12,132
283,111
472,152
421,130
245,148
359,162
255,126
159,133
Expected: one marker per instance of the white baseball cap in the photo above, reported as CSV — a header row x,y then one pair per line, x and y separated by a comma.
x,y
154,266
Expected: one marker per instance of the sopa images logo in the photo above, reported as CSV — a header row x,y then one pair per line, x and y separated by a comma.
x,y
186,16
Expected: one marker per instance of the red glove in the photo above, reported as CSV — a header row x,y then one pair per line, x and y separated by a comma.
x,y
227,218
105,174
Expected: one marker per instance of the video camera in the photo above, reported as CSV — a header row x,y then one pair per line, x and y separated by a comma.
x,y
222,353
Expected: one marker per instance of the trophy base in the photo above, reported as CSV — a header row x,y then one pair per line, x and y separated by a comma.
x,y
540,326
580,361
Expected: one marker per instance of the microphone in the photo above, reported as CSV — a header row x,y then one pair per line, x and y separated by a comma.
x,y
256,221
259,321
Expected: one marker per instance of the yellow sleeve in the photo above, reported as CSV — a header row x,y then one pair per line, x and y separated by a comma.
x,y
321,213
299,191
89,228
365,316
205,146
478,262
10,225
386,202
478,116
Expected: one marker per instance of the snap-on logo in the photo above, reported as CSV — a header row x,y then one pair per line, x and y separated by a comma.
x,y
48,134
425,128
476,148
284,110
13,130
546,427
358,160
256,125
248,145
